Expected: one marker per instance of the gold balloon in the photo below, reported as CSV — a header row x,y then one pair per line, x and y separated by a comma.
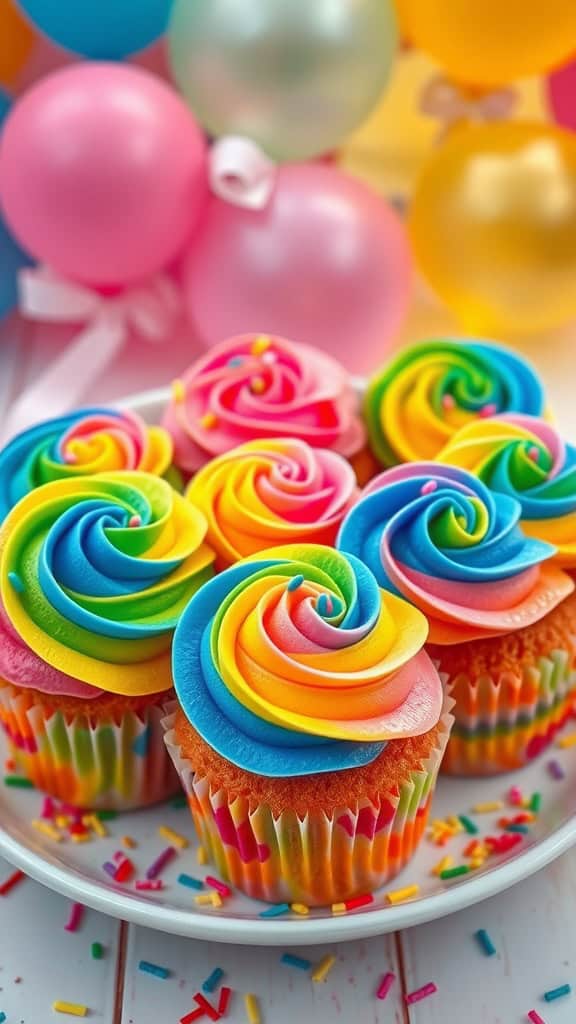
x,y
16,38
493,222
491,42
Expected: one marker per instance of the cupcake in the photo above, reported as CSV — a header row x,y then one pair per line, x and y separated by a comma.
x,y
255,387
271,492
94,574
502,618
310,725
81,443
429,391
525,457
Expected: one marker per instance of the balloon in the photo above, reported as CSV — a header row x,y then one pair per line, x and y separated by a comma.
x,y
16,38
562,96
491,42
326,262
101,29
12,259
102,173
493,222
295,76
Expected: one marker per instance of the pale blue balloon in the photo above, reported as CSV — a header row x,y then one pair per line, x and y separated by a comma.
x,y
12,257
100,29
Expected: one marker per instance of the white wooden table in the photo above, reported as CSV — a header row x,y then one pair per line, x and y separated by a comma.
x,y
533,926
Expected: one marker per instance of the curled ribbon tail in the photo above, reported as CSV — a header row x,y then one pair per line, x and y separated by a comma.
x,y
241,173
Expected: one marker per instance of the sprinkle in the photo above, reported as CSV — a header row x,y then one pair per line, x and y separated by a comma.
x,y
97,951
216,899
74,1009
209,420
515,795
324,605
47,830
299,908
220,887
252,1009
462,869
487,808
17,582
173,837
295,961
258,385
178,390
154,969
125,870
536,802
135,521
106,815
10,766
2,1017
75,919
448,401
557,993
442,865
11,882
403,894
295,582
205,899
93,821
533,453
535,1017
47,811
128,842
338,908
421,993
195,1015
189,882
224,1002
62,820
161,862
213,980
18,782
322,970
80,837
201,855
109,868
488,410
149,885
206,1007
429,487
260,345
275,911
567,741
385,985
469,826
485,942
359,901
556,770
522,829
235,361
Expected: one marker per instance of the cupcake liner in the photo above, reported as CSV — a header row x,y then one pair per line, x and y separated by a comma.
x,y
115,763
319,859
502,723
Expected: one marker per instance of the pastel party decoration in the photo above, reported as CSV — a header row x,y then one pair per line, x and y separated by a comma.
x,y
16,41
119,205
326,261
293,76
561,88
261,386
295,662
95,572
493,223
100,29
268,492
439,538
422,397
526,458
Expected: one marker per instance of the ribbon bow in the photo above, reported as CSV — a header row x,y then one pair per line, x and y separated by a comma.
x,y
150,310
451,103
241,173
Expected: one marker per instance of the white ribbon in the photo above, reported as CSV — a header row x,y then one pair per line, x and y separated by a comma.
x,y
241,173
150,310
448,102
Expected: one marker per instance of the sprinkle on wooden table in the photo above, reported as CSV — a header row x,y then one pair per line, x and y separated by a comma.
x,y
161,862
252,1008
489,807
338,908
47,830
17,582
174,838
299,908
209,1010
128,843
421,993
322,970
567,741
536,802
18,782
97,951
224,890
385,985
149,885
535,1017
11,882
275,911
556,770
295,961
515,796
190,882
442,865
359,901
206,899
557,993
469,826
158,972
201,855
224,1001
75,919
124,868
485,942
109,868
73,1009
193,1016
462,869
213,980
403,894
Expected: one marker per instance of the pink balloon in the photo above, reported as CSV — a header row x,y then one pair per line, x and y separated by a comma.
x,y
561,87
327,262
102,173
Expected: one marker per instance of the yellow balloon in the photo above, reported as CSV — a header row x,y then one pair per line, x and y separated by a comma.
x,y
493,222
16,38
490,42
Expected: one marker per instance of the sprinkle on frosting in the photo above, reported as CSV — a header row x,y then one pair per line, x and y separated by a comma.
x,y
80,444
526,458
269,492
101,598
278,689
456,552
415,405
254,387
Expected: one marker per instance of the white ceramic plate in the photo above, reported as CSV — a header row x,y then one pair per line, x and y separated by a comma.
x,y
76,870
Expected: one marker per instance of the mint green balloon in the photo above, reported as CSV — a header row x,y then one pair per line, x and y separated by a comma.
x,y
295,76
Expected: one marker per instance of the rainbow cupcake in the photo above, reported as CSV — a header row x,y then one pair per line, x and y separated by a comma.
x,y
502,619
94,574
310,725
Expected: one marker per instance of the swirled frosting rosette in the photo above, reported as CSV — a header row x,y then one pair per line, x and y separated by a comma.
x,y
253,387
296,662
82,443
94,575
524,457
428,392
270,492
441,539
